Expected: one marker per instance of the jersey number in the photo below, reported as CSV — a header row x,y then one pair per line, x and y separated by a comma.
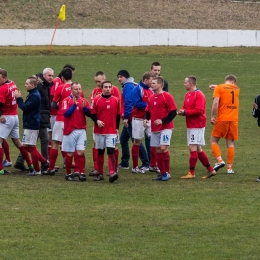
x,y
232,93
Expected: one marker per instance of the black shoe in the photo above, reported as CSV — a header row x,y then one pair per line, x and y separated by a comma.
x,y
99,178
113,177
21,167
82,177
70,177
258,179
51,173
158,178
93,173
6,172
45,167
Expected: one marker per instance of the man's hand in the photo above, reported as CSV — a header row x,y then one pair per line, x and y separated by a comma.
x,y
157,122
83,103
181,112
2,119
212,120
125,122
17,94
145,122
100,124
75,101
212,86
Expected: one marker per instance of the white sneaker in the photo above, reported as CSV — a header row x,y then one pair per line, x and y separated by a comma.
x,y
169,175
154,169
137,170
38,173
219,165
7,163
144,168
230,171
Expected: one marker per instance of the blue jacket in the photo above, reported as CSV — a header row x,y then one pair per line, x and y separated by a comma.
x,y
127,88
31,110
137,96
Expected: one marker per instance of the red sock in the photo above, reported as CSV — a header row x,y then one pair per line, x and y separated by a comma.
x,y
64,156
7,151
135,155
116,155
1,158
81,163
53,158
76,162
205,161
153,157
49,149
68,163
100,163
35,158
25,155
111,163
193,161
41,158
160,162
166,158
95,157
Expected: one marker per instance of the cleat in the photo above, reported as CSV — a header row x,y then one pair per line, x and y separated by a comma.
x,y
137,170
169,175
100,177
7,163
6,172
154,169
219,165
45,167
120,166
113,177
56,167
82,177
70,177
258,179
144,168
209,175
50,172
2,172
31,170
76,174
165,177
158,178
188,176
93,173
230,171
21,167
34,173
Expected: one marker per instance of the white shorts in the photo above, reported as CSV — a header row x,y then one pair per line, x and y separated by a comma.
x,y
52,121
75,141
196,136
57,131
10,128
30,137
103,141
161,138
117,137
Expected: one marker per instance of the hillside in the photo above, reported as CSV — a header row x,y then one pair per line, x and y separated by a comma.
x,y
193,14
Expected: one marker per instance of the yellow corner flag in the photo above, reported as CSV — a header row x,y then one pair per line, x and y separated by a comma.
x,y
62,15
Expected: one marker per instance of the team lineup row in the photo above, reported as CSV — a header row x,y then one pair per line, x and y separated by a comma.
x,y
55,110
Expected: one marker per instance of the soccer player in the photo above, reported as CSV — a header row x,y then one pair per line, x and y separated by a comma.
x,y
161,109
31,123
224,117
75,108
140,96
99,78
128,85
156,70
9,122
194,109
105,112
61,93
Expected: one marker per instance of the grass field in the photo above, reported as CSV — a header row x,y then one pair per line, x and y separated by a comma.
x,y
134,218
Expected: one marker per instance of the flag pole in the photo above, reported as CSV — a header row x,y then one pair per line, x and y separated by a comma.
x,y
56,26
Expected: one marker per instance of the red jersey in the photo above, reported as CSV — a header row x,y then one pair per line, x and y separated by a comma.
x,y
159,105
106,110
56,82
195,109
7,98
61,93
98,91
78,119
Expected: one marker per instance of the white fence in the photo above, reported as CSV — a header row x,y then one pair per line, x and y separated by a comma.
x,y
130,37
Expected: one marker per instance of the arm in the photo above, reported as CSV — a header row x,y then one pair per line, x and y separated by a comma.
x,y
137,99
117,121
127,101
54,105
214,109
30,104
70,111
169,117
86,111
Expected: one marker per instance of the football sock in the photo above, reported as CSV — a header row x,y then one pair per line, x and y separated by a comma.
x,y
41,158
205,161
53,158
153,157
95,156
76,162
81,163
193,161
135,154
35,158
116,155
230,156
216,152
1,158
111,163
64,156
166,158
6,151
160,162
68,163
25,155
100,163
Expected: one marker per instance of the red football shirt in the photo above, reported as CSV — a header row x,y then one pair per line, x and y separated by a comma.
x,y
78,119
106,110
56,82
61,93
159,105
7,98
195,108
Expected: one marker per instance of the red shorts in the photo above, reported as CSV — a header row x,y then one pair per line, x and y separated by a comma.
x,y
226,129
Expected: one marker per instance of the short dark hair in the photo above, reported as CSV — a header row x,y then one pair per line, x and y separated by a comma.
x,y
107,81
147,75
99,73
3,73
69,66
192,79
159,80
156,63
74,83
231,78
66,74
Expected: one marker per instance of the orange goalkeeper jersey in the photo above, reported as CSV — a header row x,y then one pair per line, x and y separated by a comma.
x,y
228,102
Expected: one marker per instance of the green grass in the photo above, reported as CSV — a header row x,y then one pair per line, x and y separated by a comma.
x,y
135,218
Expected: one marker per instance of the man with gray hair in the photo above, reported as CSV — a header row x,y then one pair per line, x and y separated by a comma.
x,y
44,89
